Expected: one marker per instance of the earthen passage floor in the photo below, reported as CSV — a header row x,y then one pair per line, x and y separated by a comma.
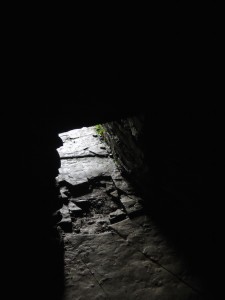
x,y
113,250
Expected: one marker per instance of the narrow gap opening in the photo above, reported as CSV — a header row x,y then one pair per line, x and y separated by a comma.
x,y
91,184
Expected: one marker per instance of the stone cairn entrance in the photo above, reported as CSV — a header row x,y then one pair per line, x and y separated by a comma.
x,y
113,250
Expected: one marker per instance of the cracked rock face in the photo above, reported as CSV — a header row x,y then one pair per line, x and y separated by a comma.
x,y
112,249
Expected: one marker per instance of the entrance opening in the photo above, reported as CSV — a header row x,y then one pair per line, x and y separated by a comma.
x,y
91,184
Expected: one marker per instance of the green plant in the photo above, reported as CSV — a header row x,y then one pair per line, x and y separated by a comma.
x,y
100,130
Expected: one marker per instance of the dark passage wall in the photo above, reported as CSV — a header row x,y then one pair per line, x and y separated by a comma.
x,y
176,156
126,139
176,159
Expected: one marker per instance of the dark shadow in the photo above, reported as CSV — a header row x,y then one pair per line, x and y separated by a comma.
x,y
186,191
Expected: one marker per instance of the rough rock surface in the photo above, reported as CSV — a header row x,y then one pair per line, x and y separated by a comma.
x,y
112,249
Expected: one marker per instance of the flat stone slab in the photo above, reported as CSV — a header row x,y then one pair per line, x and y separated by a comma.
x,y
95,194
118,269
79,171
76,133
117,216
80,284
81,203
97,167
74,210
131,205
76,178
155,246
82,143
126,228
96,224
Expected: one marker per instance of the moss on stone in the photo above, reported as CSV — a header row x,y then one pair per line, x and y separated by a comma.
x,y
100,130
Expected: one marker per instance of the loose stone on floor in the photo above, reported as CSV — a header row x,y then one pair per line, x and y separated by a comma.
x,y
112,249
